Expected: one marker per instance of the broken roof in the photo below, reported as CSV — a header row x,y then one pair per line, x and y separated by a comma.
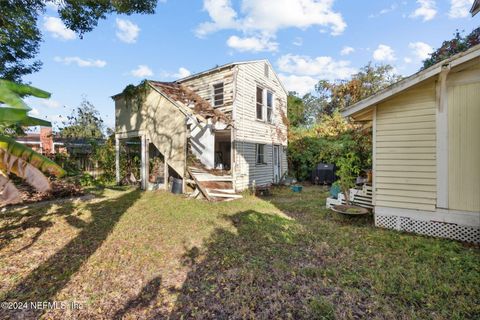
x,y
190,100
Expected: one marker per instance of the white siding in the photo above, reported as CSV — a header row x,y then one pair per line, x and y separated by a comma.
x,y
405,163
248,130
203,86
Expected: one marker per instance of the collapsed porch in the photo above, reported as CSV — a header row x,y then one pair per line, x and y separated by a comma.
x,y
175,129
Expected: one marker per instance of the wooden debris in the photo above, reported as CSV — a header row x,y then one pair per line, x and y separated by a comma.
x,y
213,187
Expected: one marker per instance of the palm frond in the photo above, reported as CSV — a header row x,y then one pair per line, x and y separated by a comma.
x,y
40,162
9,194
11,94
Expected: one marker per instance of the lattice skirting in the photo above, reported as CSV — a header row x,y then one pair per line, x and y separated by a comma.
x,y
430,228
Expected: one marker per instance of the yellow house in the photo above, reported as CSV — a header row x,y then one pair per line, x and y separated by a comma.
x,y
426,149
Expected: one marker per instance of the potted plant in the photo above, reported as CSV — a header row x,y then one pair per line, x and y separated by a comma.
x,y
348,170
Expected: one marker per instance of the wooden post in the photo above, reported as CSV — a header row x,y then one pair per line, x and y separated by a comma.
x,y
143,165
165,177
117,160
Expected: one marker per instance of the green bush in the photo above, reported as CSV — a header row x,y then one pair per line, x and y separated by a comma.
x,y
87,180
104,155
305,152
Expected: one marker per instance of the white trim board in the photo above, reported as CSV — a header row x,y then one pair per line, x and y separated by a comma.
x,y
465,218
416,78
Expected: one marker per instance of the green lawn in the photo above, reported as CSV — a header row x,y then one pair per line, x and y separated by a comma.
x,y
140,255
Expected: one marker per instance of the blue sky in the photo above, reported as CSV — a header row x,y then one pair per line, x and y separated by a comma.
x,y
305,40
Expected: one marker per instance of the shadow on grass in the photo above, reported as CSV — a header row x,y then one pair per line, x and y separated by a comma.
x,y
51,276
17,222
148,294
255,271
321,265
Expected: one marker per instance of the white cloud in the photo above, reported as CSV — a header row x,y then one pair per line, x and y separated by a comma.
x,y
407,60
299,84
420,49
346,51
142,71
459,8
127,31
58,30
320,67
50,103
426,10
222,14
81,62
260,19
252,44
34,112
182,73
384,53
393,7
56,118
298,42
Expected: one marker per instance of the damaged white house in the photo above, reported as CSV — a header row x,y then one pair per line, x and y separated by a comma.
x,y
227,123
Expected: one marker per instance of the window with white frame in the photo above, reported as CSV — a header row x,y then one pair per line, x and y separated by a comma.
x,y
260,154
259,104
269,106
218,95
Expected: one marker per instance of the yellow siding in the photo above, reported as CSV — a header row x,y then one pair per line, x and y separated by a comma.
x,y
464,147
405,163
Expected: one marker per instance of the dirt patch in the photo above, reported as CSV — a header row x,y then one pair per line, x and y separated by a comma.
x,y
60,189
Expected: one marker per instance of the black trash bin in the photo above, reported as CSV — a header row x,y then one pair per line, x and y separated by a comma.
x,y
176,186
324,173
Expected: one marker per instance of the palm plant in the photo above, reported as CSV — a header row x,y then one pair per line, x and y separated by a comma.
x,y
17,158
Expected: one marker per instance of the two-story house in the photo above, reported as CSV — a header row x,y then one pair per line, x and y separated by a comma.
x,y
231,118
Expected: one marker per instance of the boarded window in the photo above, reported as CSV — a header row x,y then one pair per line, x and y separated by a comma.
x,y
269,106
218,95
266,70
260,154
259,103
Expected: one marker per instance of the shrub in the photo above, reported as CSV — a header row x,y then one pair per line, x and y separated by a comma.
x,y
308,147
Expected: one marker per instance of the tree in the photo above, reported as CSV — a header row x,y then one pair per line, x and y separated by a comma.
x,y
338,95
84,123
295,109
453,46
20,37
348,170
14,157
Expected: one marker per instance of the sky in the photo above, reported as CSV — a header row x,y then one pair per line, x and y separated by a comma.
x,y
305,40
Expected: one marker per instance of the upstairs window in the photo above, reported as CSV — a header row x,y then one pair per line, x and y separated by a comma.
x,y
265,70
269,106
259,103
218,95
260,154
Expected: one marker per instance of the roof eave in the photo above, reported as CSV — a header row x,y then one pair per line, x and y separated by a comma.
x,y
215,69
475,8
412,80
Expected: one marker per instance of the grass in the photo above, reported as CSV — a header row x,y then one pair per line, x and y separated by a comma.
x,y
140,255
